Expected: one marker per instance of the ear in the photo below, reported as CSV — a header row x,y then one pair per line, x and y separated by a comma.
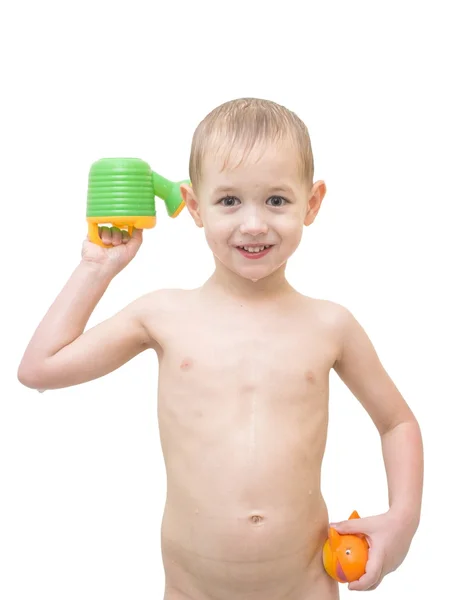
x,y
191,201
314,203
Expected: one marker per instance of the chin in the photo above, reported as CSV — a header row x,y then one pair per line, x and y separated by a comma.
x,y
256,272
251,270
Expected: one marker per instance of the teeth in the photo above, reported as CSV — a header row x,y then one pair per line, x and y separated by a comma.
x,y
254,250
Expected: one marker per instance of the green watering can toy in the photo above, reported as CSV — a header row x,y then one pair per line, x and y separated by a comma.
x,y
121,192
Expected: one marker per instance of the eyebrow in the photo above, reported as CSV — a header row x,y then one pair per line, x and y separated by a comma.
x,y
223,188
232,189
281,188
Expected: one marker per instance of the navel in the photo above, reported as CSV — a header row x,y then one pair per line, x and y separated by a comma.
x,y
256,519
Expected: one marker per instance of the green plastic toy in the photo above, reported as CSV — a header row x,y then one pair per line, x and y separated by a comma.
x,y
121,192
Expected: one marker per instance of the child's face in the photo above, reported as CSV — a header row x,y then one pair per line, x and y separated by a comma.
x,y
262,202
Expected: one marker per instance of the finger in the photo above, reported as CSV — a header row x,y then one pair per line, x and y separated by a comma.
x,y
125,236
116,236
358,586
373,587
372,574
353,526
137,234
105,235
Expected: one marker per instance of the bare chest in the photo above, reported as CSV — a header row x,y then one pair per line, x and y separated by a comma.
x,y
242,355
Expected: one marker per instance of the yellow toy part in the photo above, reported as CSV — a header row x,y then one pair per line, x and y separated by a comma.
x,y
120,222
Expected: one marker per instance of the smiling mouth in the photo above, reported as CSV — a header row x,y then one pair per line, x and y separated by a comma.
x,y
254,248
254,252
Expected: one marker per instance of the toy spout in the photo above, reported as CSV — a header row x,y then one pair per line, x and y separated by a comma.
x,y
169,191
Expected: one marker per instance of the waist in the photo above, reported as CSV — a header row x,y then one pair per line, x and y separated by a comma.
x,y
266,549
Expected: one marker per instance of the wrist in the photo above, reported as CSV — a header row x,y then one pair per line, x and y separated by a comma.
x,y
407,514
96,269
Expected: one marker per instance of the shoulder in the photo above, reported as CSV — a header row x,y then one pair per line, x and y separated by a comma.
x,y
163,299
334,320
161,311
159,306
332,314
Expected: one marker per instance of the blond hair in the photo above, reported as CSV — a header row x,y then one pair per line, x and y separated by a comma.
x,y
246,122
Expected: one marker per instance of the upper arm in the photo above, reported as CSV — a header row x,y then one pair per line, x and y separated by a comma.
x,y
97,352
360,368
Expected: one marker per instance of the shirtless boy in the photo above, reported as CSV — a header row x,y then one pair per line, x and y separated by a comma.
x,y
244,365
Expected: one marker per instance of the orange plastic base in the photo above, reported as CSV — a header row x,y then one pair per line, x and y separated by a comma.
x,y
120,222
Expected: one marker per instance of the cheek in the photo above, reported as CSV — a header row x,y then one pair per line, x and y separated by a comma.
x,y
290,230
296,236
218,233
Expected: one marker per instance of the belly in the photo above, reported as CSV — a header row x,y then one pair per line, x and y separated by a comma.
x,y
271,552
240,522
244,515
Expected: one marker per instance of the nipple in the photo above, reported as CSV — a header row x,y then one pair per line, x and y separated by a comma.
x,y
186,364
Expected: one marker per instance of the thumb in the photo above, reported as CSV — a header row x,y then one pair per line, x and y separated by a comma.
x,y
136,235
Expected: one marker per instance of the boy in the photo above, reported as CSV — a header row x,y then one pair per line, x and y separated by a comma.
x,y
244,368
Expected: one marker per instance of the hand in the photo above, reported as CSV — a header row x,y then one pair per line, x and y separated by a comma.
x,y
122,250
389,538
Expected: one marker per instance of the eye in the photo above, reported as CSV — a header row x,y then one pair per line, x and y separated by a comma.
x,y
228,201
277,201
348,551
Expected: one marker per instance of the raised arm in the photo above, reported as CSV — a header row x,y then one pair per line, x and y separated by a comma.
x,y
60,353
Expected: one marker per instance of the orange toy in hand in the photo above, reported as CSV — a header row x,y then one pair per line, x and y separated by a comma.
x,y
345,556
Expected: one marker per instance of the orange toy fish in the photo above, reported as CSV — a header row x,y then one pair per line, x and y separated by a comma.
x,y
344,555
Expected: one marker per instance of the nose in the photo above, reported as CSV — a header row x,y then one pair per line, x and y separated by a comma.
x,y
253,224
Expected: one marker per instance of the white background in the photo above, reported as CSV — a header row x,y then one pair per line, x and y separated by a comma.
x,y
81,472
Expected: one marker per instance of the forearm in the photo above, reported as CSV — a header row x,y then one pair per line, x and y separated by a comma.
x,y
67,317
403,458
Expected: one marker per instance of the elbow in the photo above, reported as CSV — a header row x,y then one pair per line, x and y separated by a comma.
x,y
31,378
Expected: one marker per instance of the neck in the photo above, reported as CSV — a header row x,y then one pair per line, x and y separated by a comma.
x,y
240,288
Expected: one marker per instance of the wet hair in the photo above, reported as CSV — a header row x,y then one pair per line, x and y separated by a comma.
x,y
247,123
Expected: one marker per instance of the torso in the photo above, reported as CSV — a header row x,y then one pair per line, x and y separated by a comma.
x,y
243,410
